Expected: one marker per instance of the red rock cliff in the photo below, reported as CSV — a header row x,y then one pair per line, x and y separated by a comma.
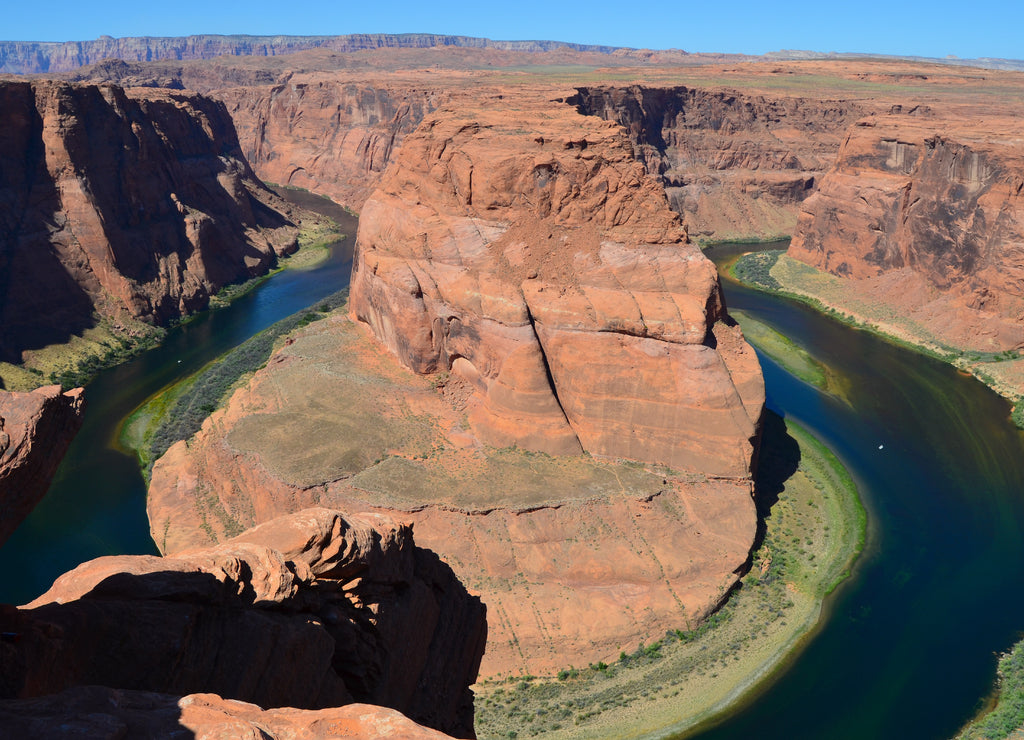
x,y
36,56
325,134
936,202
308,611
521,246
35,431
116,201
732,163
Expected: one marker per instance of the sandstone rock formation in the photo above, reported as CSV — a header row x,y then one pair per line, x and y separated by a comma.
x,y
101,713
116,203
518,252
324,134
925,211
733,164
574,557
309,611
520,246
35,431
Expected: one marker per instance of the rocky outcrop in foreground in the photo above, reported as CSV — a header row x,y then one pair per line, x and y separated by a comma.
x,y
520,246
926,212
125,204
101,713
35,431
307,611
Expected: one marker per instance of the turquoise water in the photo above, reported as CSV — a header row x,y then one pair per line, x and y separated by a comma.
x,y
908,645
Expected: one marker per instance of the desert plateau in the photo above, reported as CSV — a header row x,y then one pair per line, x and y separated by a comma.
x,y
418,385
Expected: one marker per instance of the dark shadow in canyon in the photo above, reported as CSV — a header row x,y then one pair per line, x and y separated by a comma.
x,y
778,459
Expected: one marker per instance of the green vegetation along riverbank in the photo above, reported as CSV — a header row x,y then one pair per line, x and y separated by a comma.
x,y
178,412
114,341
814,528
1006,717
775,272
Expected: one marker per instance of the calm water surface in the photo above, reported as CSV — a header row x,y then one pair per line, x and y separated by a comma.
x,y
97,502
908,645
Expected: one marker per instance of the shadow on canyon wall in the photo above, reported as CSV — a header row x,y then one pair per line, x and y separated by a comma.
x,y
778,460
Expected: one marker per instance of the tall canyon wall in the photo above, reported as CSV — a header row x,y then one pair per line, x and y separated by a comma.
x,y
926,213
119,203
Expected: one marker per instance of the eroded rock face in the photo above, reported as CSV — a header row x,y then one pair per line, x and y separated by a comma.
x,y
101,713
114,202
936,204
733,164
35,431
312,610
325,134
521,246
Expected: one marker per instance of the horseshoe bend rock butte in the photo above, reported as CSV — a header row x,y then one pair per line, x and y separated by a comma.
x,y
311,610
135,204
541,300
522,247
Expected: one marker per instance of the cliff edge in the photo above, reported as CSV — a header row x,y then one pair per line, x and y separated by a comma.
x,y
122,205
308,611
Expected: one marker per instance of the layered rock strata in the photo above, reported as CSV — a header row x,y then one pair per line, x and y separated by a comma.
x,y
733,164
522,248
118,204
35,431
326,134
34,56
926,213
309,611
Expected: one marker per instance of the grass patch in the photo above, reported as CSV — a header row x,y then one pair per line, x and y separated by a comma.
x,y
77,361
178,412
1007,715
814,529
754,268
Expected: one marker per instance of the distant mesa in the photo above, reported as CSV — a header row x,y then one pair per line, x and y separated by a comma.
x,y
31,57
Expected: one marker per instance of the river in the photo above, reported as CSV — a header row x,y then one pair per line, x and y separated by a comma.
x,y
96,504
907,646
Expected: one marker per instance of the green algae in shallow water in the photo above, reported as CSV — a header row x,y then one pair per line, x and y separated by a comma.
x,y
792,358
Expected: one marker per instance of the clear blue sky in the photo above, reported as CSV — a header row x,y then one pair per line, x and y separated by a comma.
x,y
970,28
